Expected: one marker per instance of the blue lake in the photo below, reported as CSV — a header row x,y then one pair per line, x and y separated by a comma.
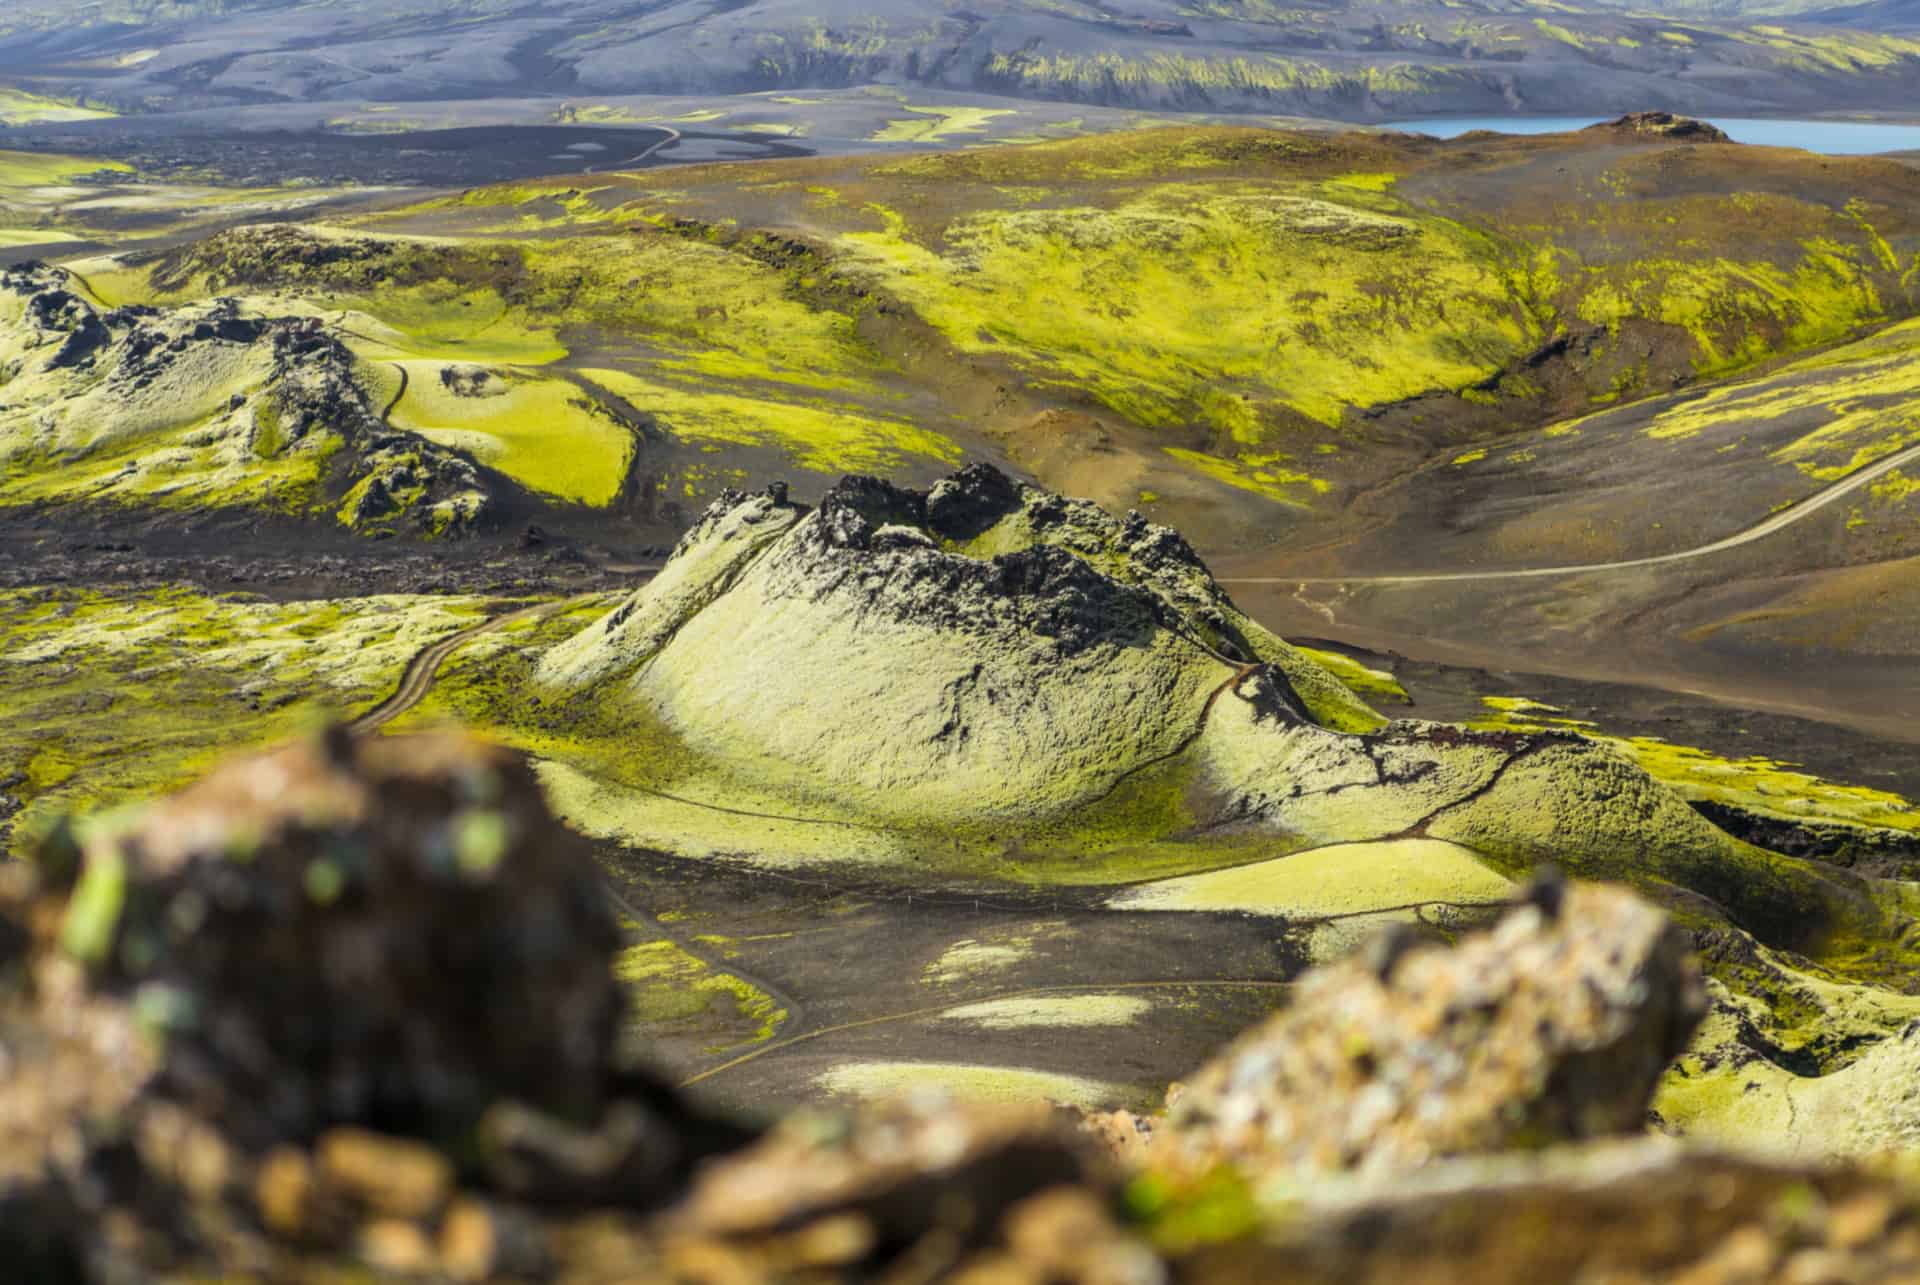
x,y
1836,137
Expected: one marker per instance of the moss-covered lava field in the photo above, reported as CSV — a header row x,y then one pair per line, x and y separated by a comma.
x,y
1000,612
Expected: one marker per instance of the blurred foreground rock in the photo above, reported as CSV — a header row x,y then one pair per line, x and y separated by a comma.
x,y
325,997
348,1009
1555,1025
1623,1213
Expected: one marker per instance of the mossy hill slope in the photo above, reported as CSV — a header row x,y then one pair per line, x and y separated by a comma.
x,y
210,406
1018,681
1241,322
983,683
595,368
1232,329
1617,483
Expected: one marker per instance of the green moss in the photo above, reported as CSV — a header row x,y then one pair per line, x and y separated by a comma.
x,y
973,1082
669,987
1761,786
1180,1217
820,435
110,697
1333,899
1052,1012
1260,474
1097,297
93,913
43,169
938,124
543,433
1368,684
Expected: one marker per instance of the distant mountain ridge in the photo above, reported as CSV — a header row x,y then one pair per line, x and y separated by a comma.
x,y
1358,60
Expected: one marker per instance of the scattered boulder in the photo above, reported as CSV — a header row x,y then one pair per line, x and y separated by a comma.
x,y
1554,1025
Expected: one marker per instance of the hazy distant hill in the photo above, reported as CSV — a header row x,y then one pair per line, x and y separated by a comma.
x,y
1881,15
1355,60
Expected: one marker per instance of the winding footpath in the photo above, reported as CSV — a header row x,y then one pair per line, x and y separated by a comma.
x,y
1772,525
424,668
386,416
633,162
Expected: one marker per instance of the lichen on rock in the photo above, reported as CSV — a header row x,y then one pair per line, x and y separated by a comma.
x,y
1554,1025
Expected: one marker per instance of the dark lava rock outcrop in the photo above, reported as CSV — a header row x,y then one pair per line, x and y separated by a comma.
x,y
1664,126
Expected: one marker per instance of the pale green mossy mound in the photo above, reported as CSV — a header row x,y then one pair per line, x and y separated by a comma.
x,y
1052,1011
1337,881
208,406
1337,897
980,656
544,433
1006,1084
1755,787
1734,1088
984,677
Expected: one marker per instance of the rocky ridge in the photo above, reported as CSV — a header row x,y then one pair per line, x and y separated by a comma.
x,y
209,404
1664,126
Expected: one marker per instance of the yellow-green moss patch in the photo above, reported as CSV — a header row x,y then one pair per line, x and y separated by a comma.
x,y
1096,1009
974,1083
827,437
544,433
668,986
1341,879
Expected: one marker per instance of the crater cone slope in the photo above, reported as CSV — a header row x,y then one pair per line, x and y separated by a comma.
x,y
206,406
987,664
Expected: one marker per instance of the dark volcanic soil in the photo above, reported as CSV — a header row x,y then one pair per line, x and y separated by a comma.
x,y
850,963
166,147
245,552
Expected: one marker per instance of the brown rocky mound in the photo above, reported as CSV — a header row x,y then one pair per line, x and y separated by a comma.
x,y
1665,126
1554,1026
318,993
